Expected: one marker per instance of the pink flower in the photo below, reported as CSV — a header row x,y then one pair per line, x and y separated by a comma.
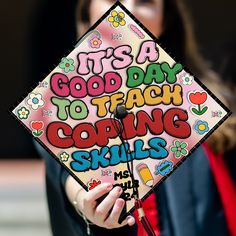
x,y
95,42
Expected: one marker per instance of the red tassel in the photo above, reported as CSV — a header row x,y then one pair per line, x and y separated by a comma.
x,y
143,219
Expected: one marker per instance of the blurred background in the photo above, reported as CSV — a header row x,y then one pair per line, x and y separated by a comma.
x,y
25,25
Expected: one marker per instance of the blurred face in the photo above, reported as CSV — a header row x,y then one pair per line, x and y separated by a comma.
x,y
148,12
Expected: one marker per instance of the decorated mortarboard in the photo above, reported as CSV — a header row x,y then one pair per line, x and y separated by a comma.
x,y
119,109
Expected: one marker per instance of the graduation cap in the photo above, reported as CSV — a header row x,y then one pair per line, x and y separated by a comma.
x,y
120,109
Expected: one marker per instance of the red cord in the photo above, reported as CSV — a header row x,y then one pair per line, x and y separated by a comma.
x,y
143,218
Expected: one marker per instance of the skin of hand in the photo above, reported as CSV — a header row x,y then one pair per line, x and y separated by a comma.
x,y
105,214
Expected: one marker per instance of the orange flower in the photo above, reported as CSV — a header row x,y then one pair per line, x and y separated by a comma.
x,y
37,125
198,98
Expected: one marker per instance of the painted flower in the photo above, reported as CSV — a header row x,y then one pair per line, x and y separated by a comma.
x,y
201,127
117,18
67,64
23,113
37,127
198,98
179,148
93,183
187,79
64,156
95,42
35,101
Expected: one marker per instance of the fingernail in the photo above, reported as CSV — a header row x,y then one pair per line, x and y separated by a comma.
x,y
129,217
130,220
118,189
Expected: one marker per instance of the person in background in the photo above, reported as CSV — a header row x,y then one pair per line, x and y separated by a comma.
x,y
199,197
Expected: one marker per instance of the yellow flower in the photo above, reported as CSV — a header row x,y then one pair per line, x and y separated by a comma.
x,y
117,18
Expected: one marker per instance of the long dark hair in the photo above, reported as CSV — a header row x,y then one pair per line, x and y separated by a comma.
x,y
178,39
